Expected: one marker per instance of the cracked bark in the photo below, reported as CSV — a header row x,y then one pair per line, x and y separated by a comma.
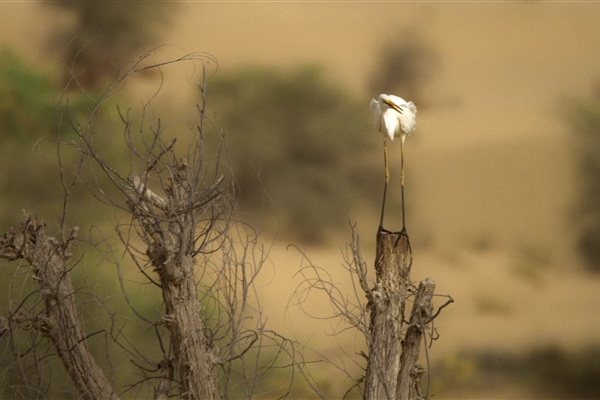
x,y
393,349
48,258
171,235
411,370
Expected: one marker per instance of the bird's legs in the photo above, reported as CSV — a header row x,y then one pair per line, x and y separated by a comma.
x,y
387,178
402,182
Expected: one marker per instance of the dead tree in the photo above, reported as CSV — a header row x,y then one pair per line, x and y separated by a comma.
x,y
188,218
393,368
185,240
387,302
169,226
49,261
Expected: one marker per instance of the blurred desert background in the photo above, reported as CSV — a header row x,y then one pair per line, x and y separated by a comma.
x,y
492,171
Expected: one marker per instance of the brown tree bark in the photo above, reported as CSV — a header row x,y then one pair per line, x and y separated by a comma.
x,y
48,259
410,370
163,387
195,359
392,369
393,260
171,227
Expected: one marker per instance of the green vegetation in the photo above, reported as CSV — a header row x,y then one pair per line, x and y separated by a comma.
x,y
28,112
34,114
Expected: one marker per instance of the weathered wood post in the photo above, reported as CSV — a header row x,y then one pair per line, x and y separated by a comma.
x,y
392,366
409,377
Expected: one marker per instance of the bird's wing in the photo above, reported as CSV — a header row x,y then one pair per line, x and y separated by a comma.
x,y
376,109
391,121
407,117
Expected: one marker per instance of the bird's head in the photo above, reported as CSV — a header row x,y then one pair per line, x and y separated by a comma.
x,y
386,99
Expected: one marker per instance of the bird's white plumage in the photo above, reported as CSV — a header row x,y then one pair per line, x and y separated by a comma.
x,y
394,116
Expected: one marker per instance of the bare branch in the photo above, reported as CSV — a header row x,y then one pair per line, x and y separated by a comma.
x,y
48,259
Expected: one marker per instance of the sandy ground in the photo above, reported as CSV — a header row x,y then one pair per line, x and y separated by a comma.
x,y
490,169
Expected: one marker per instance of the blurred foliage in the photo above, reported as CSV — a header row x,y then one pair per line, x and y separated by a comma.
x,y
28,113
584,118
31,92
105,35
550,370
306,140
568,374
34,114
545,372
404,64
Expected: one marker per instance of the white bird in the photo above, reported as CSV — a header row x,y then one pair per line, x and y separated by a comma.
x,y
394,117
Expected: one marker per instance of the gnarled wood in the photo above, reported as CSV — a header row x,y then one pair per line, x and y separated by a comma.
x,y
48,259
386,304
410,370
171,226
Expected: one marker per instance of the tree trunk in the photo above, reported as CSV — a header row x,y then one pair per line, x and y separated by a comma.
x,y
173,232
48,259
392,369
411,371
386,303
195,359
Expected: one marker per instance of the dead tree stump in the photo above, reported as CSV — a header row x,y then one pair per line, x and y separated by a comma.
x,y
393,349
411,371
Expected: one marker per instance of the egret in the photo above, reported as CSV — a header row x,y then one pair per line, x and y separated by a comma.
x,y
394,117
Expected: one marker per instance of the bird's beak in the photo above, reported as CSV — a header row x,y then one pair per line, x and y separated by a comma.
x,y
394,106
